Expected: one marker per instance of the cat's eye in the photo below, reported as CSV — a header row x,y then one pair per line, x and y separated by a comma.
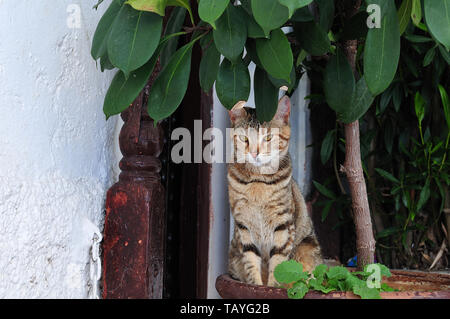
x,y
243,138
268,137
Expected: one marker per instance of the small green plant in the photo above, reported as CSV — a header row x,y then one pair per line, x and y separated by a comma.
x,y
366,284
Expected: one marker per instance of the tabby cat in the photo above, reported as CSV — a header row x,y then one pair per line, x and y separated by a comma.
x,y
271,223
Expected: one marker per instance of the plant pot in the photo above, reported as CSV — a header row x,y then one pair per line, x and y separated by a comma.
x,y
411,285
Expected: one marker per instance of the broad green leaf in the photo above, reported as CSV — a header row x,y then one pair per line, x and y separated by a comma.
x,y
382,51
326,210
384,271
387,175
209,67
174,25
275,55
293,5
123,91
133,39
404,15
105,64
327,146
253,29
170,86
361,102
366,293
233,83
324,191
269,14
320,270
103,30
231,33
445,104
156,6
302,15
278,83
159,6
416,12
289,271
437,17
339,83
298,290
210,10
338,272
312,38
266,96
326,13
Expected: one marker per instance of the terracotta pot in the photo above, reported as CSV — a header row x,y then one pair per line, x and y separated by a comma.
x,y
412,285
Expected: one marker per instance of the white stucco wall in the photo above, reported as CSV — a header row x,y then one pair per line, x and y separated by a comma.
x,y
57,151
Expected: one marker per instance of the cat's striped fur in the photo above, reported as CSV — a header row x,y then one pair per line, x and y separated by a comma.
x,y
271,223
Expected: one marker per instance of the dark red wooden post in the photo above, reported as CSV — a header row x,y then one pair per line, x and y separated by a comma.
x,y
133,246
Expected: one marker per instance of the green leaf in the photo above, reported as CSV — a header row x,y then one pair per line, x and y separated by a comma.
x,y
324,191
419,106
387,175
269,14
366,293
298,291
429,56
327,146
312,38
326,13
289,271
275,55
159,6
361,102
123,91
233,83
416,12
404,14
319,271
278,83
209,67
293,5
445,104
339,83
105,64
424,195
174,24
210,10
170,86
384,271
326,210
231,33
444,53
254,31
337,272
382,51
156,6
437,17
302,15
133,39
103,30
266,96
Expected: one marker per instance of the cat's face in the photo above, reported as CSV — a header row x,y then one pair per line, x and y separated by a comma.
x,y
260,144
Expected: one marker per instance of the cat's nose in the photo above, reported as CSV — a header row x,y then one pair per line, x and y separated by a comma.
x,y
254,154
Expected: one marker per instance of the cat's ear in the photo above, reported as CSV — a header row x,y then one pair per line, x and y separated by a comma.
x,y
237,111
284,109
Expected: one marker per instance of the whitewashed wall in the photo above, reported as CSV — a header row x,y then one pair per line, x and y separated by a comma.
x,y
55,147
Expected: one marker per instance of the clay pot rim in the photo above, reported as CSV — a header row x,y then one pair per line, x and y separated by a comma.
x,y
230,288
